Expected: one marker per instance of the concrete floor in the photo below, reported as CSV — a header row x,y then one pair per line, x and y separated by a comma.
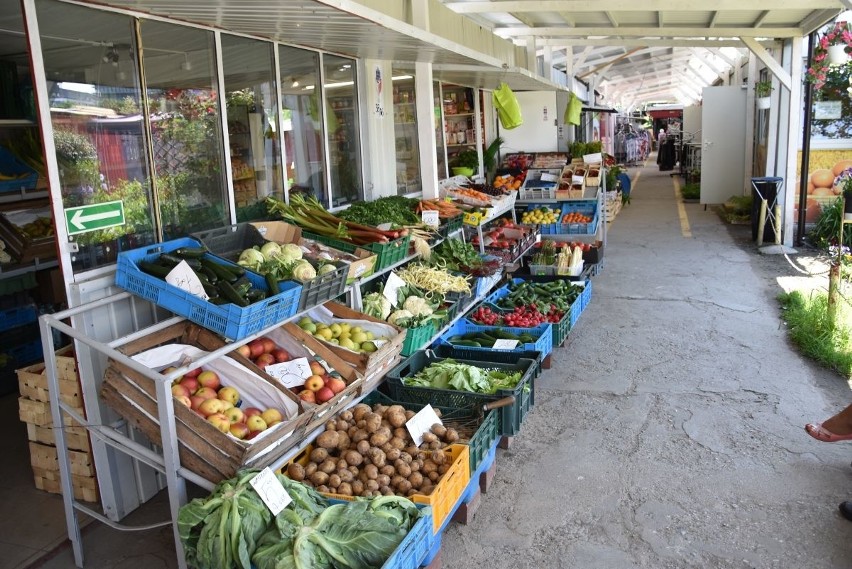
x,y
667,435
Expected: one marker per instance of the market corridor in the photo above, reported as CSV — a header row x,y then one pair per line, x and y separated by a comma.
x,y
669,432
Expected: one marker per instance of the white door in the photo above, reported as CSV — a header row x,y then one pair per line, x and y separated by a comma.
x,y
723,147
539,131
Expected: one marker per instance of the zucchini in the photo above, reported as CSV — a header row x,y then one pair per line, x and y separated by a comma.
x,y
154,269
466,343
242,286
220,271
272,283
191,252
255,295
231,294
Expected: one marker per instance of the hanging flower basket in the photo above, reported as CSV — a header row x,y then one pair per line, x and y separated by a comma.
x,y
833,48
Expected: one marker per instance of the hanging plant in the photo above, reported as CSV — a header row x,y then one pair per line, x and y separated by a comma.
x,y
838,36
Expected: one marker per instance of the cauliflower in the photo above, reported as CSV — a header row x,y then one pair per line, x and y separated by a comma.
x,y
376,305
417,306
399,317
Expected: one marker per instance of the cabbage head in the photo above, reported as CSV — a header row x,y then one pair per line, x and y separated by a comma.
x,y
291,252
376,305
304,272
251,259
270,249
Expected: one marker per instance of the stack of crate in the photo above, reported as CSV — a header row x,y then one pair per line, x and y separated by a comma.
x,y
34,410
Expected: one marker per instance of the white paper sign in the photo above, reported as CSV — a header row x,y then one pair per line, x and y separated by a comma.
x,y
292,373
545,177
430,218
505,345
392,287
578,179
827,110
185,279
271,491
384,226
421,423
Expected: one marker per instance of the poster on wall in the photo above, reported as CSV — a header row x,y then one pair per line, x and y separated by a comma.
x,y
379,85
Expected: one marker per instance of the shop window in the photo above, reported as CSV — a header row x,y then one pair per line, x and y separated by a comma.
x,y
183,98
301,122
90,65
438,125
405,134
344,143
251,100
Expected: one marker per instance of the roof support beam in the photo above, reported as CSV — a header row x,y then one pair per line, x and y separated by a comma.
x,y
645,42
616,5
671,31
770,62
713,18
702,56
611,19
605,65
760,19
817,19
609,58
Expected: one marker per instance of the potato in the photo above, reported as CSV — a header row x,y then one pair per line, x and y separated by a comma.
x,y
351,431
296,471
377,456
334,480
328,466
439,413
345,489
393,454
383,480
396,415
386,424
378,439
372,422
401,433
409,414
412,450
341,463
397,443
328,439
386,491
416,465
396,481
416,479
357,488
451,436
331,425
354,470
344,441
371,485
362,424
346,416
353,457
404,486
433,476
438,457
372,471
426,489
360,435
439,430
363,447
319,478
359,411
346,475
387,469
310,468
379,409
429,437
443,468
435,445
323,488
411,492
318,455
405,457
429,466
402,468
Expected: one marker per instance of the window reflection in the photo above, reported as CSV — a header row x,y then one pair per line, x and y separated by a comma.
x,y
180,71
251,101
405,130
301,122
438,125
344,143
91,69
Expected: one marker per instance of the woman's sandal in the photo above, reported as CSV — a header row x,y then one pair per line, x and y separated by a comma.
x,y
820,433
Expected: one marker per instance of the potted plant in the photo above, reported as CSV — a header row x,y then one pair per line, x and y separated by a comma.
x,y
465,163
762,90
832,48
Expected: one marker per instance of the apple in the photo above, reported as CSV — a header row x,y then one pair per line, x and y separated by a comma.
x,y
249,411
209,379
195,401
239,430
190,383
235,415
272,416
226,405
316,368
324,394
211,407
264,360
314,383
184,400
206,393
336,384
256,423
281,355
307,395
219,421
256,347
251,435
229,394
170,369
180,391
268,345
193,372
244,351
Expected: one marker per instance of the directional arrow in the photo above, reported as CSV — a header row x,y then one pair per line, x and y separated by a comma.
x,y
79,220
90,217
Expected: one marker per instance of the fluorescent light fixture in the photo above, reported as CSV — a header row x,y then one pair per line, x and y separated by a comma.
x,y
295,84
78,87
401,77
308,88
338,85
346,66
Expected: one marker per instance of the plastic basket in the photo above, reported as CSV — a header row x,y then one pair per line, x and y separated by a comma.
x,y
229,241
479,444
17,316
485,284
451,225
324,287
589,209
499,357
387,254
416,338
416,544
25,177
230,320
542,333
511,416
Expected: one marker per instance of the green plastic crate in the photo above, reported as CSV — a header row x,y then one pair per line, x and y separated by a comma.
x,y
416,338
387,254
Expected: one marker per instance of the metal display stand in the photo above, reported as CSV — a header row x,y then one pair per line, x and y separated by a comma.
x,y
766,206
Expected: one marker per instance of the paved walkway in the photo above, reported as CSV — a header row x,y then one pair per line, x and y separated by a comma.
x,y
669,432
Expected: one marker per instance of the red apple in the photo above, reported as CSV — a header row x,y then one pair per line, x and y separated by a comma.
x,y
324,395
249,411
239,430
229,394
316,368
336,384
314,383
180,391
190,383
272,416
256,423
307,395
235,415
209,379
185,401
326,378
195,401
206,393
220,421
170,369
244,351
211,407
256,347
193,372
281,355
264,360
251,435
268,345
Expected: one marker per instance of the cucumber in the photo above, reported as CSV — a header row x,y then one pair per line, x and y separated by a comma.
x,y
191,252
230,294
220,271
466,343
255,294
272,283
154,269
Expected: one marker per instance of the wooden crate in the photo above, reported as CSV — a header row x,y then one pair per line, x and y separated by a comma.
x,y
38,413
75,437
45,464
32,380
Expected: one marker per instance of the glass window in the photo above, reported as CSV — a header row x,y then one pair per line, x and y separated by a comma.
x,y
301,122
405,131
251,101
94,97
180,72
344,161
438,125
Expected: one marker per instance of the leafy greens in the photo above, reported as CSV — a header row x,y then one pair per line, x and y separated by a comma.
x,y
450,374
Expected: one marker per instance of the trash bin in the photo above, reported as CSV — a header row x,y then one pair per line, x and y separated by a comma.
x,y
768,189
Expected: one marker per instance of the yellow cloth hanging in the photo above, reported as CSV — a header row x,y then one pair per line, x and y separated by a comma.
x,y
508,109
573,110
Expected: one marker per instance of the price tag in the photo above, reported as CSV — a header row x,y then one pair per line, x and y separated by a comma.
x,y
292,373
545,177
384,226
430,218
505,345
392,287
360,270
185,279
421,423
380,343
271,491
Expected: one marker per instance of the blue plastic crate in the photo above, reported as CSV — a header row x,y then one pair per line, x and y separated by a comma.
x,y
543,343
485,284
11,166
17,316
230,320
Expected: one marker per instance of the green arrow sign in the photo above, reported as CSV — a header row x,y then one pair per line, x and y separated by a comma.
x,y
94,216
